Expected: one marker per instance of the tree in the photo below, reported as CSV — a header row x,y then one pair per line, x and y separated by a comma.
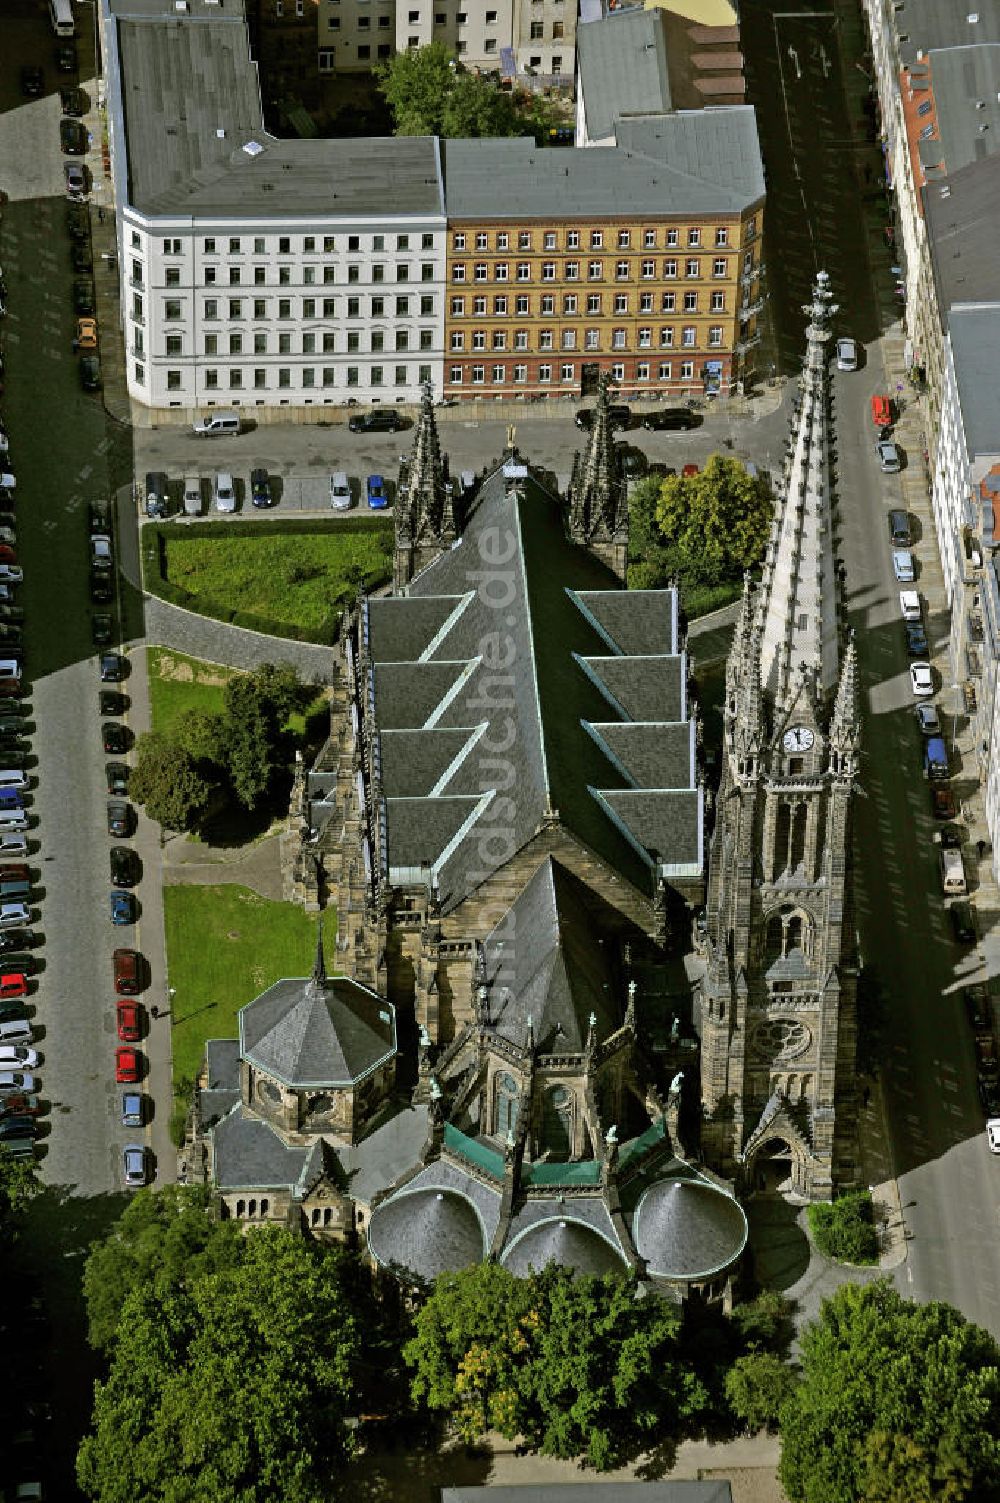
x,y
431,94
249,751
19,1184
718,520
163,1239
280,691
203,736
845,1228
232,1388
756,1386
892,1393
167,782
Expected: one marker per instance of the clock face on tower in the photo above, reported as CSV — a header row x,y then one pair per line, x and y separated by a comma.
x,y
798,739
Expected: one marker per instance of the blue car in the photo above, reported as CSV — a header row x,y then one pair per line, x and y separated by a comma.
x,y
916,640
122,908
377,498
11,798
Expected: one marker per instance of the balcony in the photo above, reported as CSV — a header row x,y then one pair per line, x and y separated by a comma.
x,y
752,275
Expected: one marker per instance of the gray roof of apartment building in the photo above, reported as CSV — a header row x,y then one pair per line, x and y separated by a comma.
x,y
622,68
714,1491
692,162
975,339
573,674
928,25
191,106
966,81
961,213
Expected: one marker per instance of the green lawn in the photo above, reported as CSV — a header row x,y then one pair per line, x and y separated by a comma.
x,y
178,684
226,944
291,580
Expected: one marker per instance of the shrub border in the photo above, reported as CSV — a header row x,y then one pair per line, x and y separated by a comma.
x,y
155,537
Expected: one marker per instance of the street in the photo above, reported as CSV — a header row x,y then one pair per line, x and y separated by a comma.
x,y
948,1179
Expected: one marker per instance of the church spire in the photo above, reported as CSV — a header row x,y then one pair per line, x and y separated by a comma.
x,y
319,964
845,731
425,514
797,611
744,712
596,499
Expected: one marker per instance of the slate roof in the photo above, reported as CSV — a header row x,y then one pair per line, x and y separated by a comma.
x,y
622,68
190,101
975,332
326,1033
574,650
965,81
438,1222
961,213
579,1235
687,1229
384,1154
248,1154
933,24
554,971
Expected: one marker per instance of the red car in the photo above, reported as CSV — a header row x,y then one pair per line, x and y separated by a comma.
x,y
129,1018
8,554
13,984
689,470
127,1063
20,1105
943,803
128,972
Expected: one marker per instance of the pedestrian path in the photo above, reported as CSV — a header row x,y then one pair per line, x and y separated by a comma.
x,y
168,625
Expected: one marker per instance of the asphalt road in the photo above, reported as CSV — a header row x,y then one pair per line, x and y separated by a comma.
x,y
949,1182
65,452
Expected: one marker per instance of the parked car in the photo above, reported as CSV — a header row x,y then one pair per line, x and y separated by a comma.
x,y
942,802
122,908
847,355
101,629
260,488
17,939
375,491
17,1032
619,415
73,102
124,866
117,774
17,1127
128,1065
977,1008
86,334
32,81
128,1020
916,639
987,1064
112,702
16,1080
83,296
379,420
127,972
921,679
66,58
224,492
17,1057
102,587
114,667
73,137
133,1109
77,220
887,455
12,1009
902,565
119,817
114,738
11,574
77,179
927,719
14,915
90,373
135,1166
671,419
963,922
20,1104
13,843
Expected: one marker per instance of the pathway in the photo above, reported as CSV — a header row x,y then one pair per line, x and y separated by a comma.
x,y
257,866
172,626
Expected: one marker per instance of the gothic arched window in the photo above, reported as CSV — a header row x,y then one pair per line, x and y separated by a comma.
x,y
506,1105
557,1122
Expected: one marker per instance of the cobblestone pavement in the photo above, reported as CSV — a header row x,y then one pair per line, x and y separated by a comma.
x,y
217,642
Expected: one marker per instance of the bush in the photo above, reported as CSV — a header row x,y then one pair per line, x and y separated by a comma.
x,y
845,1229
756,1386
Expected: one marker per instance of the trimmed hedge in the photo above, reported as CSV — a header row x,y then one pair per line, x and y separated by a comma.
x,y
845,1229
155,537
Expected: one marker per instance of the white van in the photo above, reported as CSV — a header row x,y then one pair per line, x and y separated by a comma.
x,y
192,495
17,1031
14,915
952,871
13,777
10,676
224,491
14,820
340,491
217,423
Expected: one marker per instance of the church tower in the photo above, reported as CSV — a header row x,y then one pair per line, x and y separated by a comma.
x,y
423,511
777,1000
597,499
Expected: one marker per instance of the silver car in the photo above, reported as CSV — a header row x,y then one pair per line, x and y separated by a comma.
x,y
135,1166
887,455
847,355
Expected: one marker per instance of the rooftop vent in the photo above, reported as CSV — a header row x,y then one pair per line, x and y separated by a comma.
x,y
252,148
945,191
221,133
980,104
180,5
972,17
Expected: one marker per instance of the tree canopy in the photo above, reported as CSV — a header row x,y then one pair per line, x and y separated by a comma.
x,y
227,1387
898,1402
431,94
19,1184
167,782
577,1366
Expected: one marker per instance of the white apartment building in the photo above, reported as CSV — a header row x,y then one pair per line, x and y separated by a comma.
x,y
260,273
518,37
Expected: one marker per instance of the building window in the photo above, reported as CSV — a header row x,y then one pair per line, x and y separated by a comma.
x,y
520,339
234,276
545,338
478,375
284,344
692,268
503,239
670,268
500,271
642,370
211,380
499,339
545,373
690,302
648,270
173,380
688,336
235,344
520,373
618,372
618,339
596,239
522,305
499,375
500,306
694,236
480,271
309,376
572,271
399,375
426,305
687,370
537,32
457,340
260,379
455,375
378,375
594,303
329,342
549,240
173,344
594,270
573,240
479,307
172,309
458,272
457,306
482,240
648,239
593,339
479,339
139,373
506,1108
548,271
569,303
645,339
721,235
718,301
524,271
624,239
672,238
547,304
458,241
666,336
665,370
621,302
668,302
715,336
211,307
621,271
645,302
569,339
352,375
719,266
567,372
524,239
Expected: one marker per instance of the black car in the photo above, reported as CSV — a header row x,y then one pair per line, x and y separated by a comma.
x,y
671,420
83,298
113,703
17,939
73,138
977,1008
114,738
81,257
619,414
90,373
124,866
98,517
10,635
120,819
117,777
260,488
101,629
32,82
963,923
66,58
11,613
73,102
101,586
916,640
633,461
114,667
989,1097
77,221
379,420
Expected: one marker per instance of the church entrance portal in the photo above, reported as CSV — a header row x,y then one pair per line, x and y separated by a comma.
x,y
773,1169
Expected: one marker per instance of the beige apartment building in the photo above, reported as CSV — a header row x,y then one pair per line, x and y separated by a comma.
x,y
523,39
